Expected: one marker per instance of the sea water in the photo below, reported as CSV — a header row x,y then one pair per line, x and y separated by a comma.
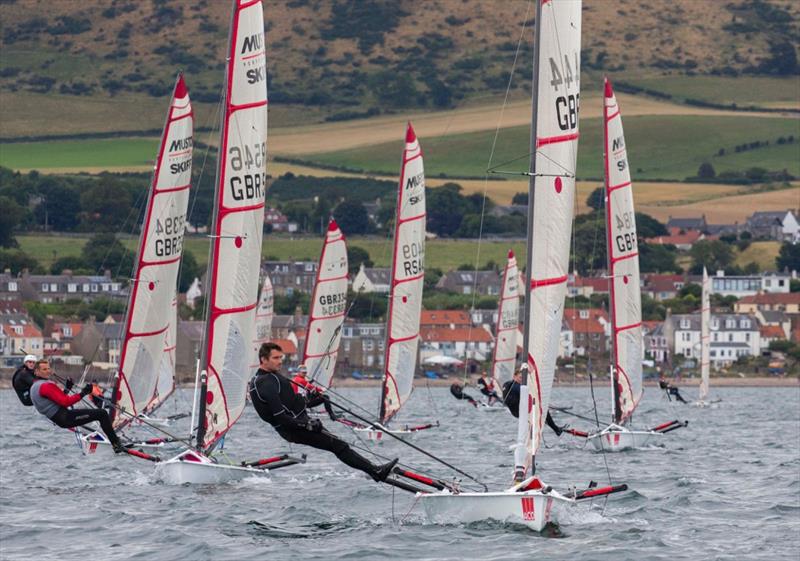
x,y
727,487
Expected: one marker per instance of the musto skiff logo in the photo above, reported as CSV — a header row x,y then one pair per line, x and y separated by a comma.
x,y
415,188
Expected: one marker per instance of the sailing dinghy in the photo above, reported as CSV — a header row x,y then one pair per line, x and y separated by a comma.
x,y
405,296
705,345
264,314
234,263
327,311
625,294
147,368
554,139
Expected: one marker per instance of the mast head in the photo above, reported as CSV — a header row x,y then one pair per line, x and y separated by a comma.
x,y
609,93
511,254
332,225
411,136
180,87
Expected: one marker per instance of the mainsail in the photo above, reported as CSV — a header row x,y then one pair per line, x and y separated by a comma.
x,y
150,311
551,192
166,369
705,340
623,266
237,229
328,303
264,315
408,272
505,344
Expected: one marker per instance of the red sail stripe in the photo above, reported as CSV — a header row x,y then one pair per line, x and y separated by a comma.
x,y
544,141
547,282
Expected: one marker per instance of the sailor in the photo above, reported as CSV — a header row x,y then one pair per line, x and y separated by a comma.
x,y
458,392
23,379
511,390
486,385
670,389
276,403
302,386
52,402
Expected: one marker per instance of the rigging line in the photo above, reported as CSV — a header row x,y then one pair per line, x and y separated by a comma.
x,y
597,420
486,178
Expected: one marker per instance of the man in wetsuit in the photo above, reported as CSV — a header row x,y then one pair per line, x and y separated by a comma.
x,y
486,386
511,391
23,379
276,402
302,386
458,392
52,402
671,390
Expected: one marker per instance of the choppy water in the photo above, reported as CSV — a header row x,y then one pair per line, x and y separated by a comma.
x,y
726,488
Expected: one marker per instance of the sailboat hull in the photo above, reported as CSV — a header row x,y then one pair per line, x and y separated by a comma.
x,y
533,509
196,469
619,440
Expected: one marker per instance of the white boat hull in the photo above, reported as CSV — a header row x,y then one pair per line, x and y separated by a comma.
x,y
533,509
195,468
619,439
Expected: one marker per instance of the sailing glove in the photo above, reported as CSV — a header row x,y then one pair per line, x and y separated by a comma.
x,y
87,389
69,384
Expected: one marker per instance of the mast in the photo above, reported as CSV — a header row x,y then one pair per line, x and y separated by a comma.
x,y
327,309
237,229
408,272
551,194
623,265
705,339
150,313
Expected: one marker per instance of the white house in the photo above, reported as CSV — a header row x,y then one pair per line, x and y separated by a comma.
x,y
369,280
732,336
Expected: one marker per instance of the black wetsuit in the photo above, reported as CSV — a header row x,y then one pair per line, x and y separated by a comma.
x,y
511,399
671,390
484,387
22,381
458,392
276,402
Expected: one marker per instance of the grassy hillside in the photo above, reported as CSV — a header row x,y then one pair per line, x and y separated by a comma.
x,y
332,57
659,147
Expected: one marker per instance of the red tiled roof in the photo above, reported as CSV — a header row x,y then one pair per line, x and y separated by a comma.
x,y
459,334
286,346
28,330
585,325
772,298
772,332
597,284
444,317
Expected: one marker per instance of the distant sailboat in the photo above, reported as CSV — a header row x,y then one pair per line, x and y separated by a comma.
x,y
705,344
264,316
233,267
327,309
554,138
625,293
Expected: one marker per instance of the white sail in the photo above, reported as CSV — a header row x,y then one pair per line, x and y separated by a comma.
x,y
264,315
408,272
237,228
551,194
166,368
705,339
328,307
505,344
150,312
623,265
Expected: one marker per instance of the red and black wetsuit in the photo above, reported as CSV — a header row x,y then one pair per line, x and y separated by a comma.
x,y
52,402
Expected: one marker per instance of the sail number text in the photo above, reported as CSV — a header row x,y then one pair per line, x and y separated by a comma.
x,y
567,106
332,304
625,241
413,256
169,235
249,185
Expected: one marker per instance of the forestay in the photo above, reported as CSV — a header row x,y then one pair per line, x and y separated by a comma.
x,y
237,228
264,315
623,266
328,306
705,339
408,271
153,286
554,140
505,345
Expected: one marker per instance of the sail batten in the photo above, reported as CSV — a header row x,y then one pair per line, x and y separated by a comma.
x,y
408,270
237,229
554,140
623,253
327,311
146,376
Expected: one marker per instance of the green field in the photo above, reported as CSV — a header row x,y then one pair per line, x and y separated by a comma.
x,y
85,154
743,91
659,147
441,254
